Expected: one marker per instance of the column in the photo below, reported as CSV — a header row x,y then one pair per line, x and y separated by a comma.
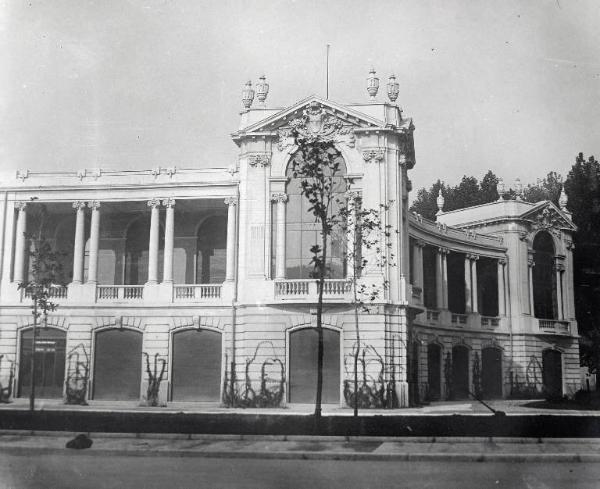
x,y
153,244
280,199
169,240
20,243
559,296
79,244
231,203
439,279
418,264
501,288
474,292
445,277
531,264
468,285
94,242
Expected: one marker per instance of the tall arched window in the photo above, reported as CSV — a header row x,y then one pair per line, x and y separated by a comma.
x,y
544,278
302,231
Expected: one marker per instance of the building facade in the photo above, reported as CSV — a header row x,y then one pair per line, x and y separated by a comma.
x,y
204,276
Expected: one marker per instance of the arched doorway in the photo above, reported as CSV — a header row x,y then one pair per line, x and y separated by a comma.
x,y
196,365
460,372
117,364
211,263
491,373
434,371
50,348
544,279
303,366
552,372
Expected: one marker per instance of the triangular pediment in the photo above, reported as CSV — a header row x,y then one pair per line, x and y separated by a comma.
x,y
325,112
545,215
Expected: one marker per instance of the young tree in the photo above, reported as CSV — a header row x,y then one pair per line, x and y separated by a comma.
x,y
317,166
45,274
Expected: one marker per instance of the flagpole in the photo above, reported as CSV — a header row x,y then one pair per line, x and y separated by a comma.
x,y
327,74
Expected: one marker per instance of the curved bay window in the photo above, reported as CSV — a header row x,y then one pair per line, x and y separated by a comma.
x,y
544,278
302,231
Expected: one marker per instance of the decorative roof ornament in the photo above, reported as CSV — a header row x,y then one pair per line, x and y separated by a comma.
x,y
247,95
393,88
262,90
501,189
372,84
563,200
440,203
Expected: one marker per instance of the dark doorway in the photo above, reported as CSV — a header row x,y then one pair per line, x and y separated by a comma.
x,y
491,373
49,363
460,372
303,366
196,365
434,369
552,373
118,364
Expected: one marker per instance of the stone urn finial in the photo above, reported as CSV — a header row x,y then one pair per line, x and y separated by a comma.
x,y
247,95
262,89
372,84
518,189
440,203
501,189
563,200
393,88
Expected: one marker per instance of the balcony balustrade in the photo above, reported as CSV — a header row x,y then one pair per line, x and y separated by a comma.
x,y
307,289
55,292
459,319
554,326
490,322
197,292
119,292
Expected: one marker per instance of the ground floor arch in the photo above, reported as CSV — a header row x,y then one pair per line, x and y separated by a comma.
x,y
196,365
460,372
552,372
117,364
434,371
491,373
302,385
49,367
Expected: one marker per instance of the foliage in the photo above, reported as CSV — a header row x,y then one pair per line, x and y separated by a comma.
x,y
531,387
247,397
154,378
448,376
6,392
582,187
78,376
371,392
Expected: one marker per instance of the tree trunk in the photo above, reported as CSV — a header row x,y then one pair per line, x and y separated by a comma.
x,y
321,286
32,391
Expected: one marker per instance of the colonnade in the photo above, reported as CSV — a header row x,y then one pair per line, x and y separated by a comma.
x,y
20,272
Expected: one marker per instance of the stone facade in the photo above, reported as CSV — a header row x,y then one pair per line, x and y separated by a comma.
x,y
192,267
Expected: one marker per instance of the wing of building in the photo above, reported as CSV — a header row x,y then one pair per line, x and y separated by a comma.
x,y
206,275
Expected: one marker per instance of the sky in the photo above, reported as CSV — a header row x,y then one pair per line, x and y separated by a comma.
x,y
512,86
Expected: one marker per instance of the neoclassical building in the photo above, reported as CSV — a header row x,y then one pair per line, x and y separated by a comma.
x,y
207,272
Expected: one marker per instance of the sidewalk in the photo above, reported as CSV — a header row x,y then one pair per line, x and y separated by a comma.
x,y
309,447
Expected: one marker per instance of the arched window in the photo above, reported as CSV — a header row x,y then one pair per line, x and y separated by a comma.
x,y
302,231
212,251
136,252
544,278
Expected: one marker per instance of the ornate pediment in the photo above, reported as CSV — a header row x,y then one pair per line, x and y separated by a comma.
x,y
316,123
547,217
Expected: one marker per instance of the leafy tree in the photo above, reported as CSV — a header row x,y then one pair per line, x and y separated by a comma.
x,y
582,187
547,189
46,271
317,166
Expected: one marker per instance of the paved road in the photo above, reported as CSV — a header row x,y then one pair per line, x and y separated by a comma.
x,y
99,471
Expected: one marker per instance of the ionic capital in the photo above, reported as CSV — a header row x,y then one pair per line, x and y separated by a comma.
x,y
94,205
279,197
153,203
78,205
231,201
21,206
375,154
502,261
169,202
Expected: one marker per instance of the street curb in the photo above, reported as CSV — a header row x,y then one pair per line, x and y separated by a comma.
x,y
309,455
